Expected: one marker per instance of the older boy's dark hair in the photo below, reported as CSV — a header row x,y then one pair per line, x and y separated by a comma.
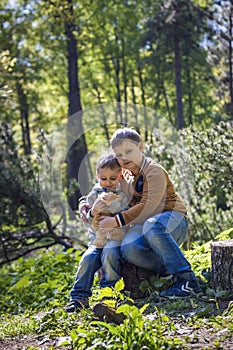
x,y
107,160
120,135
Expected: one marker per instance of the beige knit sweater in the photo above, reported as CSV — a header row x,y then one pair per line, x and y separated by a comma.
x,y
151,191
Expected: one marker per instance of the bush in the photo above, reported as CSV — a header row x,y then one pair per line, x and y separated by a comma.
x,y
202,172
24,223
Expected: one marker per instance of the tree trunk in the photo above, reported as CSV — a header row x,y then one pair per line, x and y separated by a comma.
x,y
230,59
24,115
78,149
116,60
133,276
143,99
134,104
125,80
167,103
189,89
180,115
222,265
104,116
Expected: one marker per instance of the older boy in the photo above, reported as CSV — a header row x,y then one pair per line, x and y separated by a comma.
x,y
157,217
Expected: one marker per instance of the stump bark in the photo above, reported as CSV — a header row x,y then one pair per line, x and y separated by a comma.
x,y
222,265
133,276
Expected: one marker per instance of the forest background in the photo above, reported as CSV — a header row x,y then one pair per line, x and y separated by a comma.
x,y
85,68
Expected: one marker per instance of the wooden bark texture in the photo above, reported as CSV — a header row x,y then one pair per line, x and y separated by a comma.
x,y
222,265
133,277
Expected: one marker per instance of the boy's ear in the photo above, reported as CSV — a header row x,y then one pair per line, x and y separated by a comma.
x,y
140,145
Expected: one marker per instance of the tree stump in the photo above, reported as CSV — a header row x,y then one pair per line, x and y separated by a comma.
x,y
222,265
133,277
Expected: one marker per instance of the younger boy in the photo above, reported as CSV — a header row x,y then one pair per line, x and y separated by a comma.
x,y
108,256
157,217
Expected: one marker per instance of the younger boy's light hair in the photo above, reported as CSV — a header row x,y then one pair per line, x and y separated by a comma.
x,y
120,135
107,160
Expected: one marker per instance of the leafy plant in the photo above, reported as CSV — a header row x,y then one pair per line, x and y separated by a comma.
x,y
135,331
38,282
25,225
13,325
113,296
200,163
36,288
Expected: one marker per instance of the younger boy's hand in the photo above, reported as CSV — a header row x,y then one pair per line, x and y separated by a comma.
x,y
83,207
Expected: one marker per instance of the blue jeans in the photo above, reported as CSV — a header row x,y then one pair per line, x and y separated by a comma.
x,y
107,257
155,245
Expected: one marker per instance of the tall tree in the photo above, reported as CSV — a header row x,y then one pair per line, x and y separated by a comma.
x,y
173,26
20,76
63,19
78,150
222,53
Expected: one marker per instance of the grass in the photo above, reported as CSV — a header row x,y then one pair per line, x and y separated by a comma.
x,y
35,290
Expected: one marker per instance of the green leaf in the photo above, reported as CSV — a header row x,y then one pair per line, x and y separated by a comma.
x,y
73,335
113,329
143,308
119,286
204,311
124,309
106,292
21,283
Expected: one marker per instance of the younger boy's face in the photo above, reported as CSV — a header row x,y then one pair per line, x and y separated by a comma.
x,y
129,154
109,178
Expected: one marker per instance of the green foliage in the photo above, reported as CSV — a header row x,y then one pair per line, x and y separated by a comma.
x,y
130,58
24,222
13,325
200,255
17,185
39,286
211,209
39,282
113,296
134,332
200,163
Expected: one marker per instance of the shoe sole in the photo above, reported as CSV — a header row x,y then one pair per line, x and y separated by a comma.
x,y
181,297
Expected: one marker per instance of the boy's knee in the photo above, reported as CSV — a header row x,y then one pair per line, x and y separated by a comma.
x,y
153,229
86,260
110,255
127,250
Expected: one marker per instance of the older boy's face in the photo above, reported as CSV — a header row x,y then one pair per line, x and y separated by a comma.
x,y
129,154
109,178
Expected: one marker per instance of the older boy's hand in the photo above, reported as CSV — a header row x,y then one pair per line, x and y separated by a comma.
x,y
107,222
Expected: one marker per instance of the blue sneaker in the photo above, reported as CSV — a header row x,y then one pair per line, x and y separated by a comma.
x,y
77,305
182,289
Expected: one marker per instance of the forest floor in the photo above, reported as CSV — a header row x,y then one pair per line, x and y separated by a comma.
x,y
202,337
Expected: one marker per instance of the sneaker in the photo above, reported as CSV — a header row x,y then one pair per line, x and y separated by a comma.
x,y
77,305
182,289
